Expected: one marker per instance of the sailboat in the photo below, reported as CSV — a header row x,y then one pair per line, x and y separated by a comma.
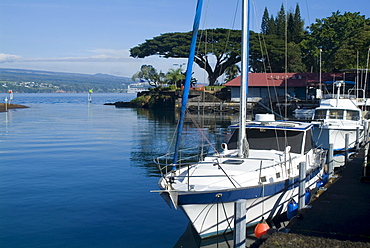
x,y
260,164
336,117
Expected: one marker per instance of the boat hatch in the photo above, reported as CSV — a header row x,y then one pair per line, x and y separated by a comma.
x,y
233,161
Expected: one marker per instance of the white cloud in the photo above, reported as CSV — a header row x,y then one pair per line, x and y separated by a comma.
x,y
8,58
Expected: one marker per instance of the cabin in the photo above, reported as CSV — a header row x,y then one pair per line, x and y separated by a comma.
x,y
275,86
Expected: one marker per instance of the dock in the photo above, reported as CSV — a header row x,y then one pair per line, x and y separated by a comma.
x,y
338,216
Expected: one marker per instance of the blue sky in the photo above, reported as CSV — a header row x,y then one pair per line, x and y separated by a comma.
x,y
94,36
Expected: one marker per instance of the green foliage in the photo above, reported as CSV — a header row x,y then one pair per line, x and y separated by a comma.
x,y
280,23
175,77
339,36
343,39
231,72
140,101
265,22
223,44
149,74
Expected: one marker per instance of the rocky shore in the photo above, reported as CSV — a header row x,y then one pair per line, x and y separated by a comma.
x,y
3,108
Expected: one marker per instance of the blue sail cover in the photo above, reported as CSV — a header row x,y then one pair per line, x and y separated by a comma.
x,y
189,71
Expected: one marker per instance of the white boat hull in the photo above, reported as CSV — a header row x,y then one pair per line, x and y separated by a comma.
x,y
325,135
218,218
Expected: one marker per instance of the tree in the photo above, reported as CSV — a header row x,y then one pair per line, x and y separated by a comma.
x,y
271,28
223,44
340,36
272,59
149,74
281,23
175,76
298,26
290,28
265,22
231,72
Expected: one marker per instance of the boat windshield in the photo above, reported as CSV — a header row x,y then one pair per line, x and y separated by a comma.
x,y
336,113
353,115
320,114
275,139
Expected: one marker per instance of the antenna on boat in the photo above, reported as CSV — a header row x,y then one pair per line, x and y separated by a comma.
x,y
242,144
189,70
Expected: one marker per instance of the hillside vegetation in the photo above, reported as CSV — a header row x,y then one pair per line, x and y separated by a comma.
x,y
31,81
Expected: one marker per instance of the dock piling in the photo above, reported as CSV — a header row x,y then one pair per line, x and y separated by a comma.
x,y
302,181
330,161
346,148
240,223
357,138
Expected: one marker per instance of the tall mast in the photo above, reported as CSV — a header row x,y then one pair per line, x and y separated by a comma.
x,y
244,78
189,70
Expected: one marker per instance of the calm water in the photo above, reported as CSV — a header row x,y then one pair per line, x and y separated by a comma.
x,y
74,174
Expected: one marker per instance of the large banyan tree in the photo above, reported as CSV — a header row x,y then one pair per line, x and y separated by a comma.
x,y
223,44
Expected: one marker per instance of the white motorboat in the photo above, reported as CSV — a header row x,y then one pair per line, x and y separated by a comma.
x,y
336,117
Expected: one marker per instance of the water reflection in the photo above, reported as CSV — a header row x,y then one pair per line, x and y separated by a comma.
x,y
156,134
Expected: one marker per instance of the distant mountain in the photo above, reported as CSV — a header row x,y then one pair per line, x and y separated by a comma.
x,y
27,81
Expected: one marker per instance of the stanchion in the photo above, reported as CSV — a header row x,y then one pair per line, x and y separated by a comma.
x,y
302,184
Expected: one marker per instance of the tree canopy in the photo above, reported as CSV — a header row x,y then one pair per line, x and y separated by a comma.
x,y
223,44
149,74
343,39
340,37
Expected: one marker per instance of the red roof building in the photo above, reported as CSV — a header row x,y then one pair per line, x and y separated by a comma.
x,y
272,85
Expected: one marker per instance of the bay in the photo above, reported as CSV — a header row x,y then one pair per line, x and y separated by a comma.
x,y
79,174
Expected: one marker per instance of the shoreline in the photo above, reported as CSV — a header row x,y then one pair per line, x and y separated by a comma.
x,y
10,106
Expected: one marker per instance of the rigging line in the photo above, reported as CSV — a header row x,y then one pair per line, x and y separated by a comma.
x,y
227,220
232,27
308,13
286,60
202,132
230,178
263,49
367,69
171,144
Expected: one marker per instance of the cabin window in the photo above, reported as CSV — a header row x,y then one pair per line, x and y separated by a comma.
x,y
352,115
271,139
336,113
278,175
320,114
263,179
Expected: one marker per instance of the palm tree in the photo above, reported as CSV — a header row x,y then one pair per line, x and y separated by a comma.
x,y
175,76
231,72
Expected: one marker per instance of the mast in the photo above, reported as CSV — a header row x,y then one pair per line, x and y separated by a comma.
x,y
244,79
189,70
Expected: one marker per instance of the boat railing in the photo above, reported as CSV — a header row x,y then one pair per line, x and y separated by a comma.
x,y
280,163
186,156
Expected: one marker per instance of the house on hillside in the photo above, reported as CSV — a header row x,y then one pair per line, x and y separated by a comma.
x,y
276,86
